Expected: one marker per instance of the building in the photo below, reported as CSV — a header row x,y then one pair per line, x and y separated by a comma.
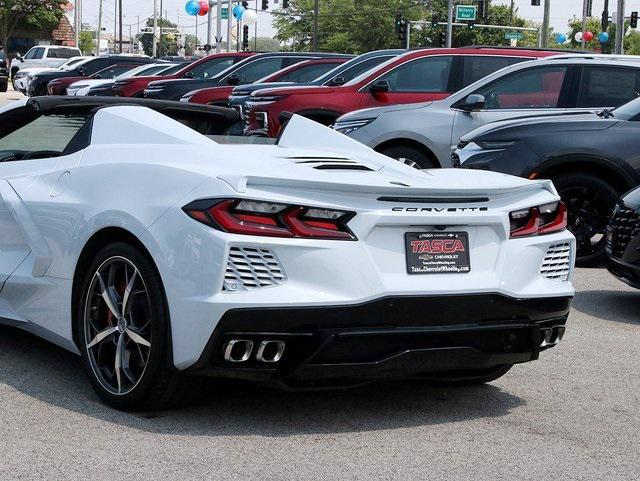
x,y
26,36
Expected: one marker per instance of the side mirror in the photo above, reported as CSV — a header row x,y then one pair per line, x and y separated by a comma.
x,y
379,87
20,57
337,81
81,71
98,76
233,79
189,74
473,103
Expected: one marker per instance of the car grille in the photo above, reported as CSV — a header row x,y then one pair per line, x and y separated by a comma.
x,y
252,268
624,226
556,264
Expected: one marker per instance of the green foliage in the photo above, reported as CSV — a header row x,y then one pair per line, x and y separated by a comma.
x,y
87,44
265,44
594,25
632,43
169,43
37,13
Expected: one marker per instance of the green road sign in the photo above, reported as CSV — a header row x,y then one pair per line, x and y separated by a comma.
x,y
514,35
225,13
466,12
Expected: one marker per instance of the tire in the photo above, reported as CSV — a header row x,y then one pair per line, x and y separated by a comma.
x,y
4,85
410,155
590,201
470,378
146,378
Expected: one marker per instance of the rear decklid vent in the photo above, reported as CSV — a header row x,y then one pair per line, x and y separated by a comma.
x,y
331,163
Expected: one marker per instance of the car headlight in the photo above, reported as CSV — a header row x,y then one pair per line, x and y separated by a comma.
x,y
495,144
266,100
186,99
348,126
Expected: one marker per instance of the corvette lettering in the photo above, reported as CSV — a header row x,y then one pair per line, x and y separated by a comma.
x,y
437,246
440,209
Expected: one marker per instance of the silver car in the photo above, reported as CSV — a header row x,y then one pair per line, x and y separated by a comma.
x,y
423,134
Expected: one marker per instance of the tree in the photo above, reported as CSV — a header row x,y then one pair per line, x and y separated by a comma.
x,y
87,45
169,43
38,13
265,44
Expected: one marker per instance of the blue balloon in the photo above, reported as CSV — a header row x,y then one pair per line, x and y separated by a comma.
x,y
238,12
561,38
603,37
192,7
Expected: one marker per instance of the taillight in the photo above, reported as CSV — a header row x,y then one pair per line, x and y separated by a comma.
x,y
539,220
271,219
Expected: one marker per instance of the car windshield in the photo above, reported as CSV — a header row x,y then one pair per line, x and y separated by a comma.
x,y
71,63
367,73
628,111
173,69
141,71
82,61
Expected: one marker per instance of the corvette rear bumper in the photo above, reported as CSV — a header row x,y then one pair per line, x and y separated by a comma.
x,y
386,338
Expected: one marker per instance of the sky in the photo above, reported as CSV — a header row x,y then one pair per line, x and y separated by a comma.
x,y
561,11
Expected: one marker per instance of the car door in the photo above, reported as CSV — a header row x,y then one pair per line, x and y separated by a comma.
x,y
417,80
33,57
532,91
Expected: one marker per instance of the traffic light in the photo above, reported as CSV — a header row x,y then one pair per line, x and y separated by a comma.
x,y
245,37
634,20
472,25
443,38
535,3
402,31
434,21
265,4
398,22
285,3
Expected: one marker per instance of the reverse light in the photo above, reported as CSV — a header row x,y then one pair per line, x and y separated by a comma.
x,y
539,220
271,219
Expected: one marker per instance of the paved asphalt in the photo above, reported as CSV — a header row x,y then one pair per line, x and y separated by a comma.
x,y
573,414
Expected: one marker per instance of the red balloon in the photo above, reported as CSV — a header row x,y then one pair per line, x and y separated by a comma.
x,y
588,36
204,8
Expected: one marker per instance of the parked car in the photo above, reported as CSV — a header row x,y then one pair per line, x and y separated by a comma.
x,y
45,56
4,72
423,134
39,82
104,82
246,71
206,67
300,72
590,157
623,240
415,76
20,80
59,86
309,263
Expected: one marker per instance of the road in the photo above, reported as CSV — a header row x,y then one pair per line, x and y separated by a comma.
x,y
573,414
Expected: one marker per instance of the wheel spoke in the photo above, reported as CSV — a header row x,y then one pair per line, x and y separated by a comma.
x,y
101,336
118,362
107,295
127,292
137,338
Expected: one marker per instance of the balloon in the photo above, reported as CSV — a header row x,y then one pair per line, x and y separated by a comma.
x,y
204,7
578,37
238,11
249,17
192,7
588,36
603,37
561,38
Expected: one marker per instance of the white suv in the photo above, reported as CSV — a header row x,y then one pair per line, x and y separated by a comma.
x,y
47,56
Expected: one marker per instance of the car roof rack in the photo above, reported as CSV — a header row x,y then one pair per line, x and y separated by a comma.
x,y
537,49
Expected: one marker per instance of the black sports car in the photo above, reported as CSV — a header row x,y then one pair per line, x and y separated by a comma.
x,y
591,158
623,240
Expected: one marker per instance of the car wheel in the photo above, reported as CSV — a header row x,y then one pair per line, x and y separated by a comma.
x,y
4,85
124,334
590,202
410,156
470,378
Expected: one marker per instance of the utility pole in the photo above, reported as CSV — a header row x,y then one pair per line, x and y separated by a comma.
x,y
160,37
99,27
75,23
218,26
450,24
120,24
511,13
583,42
545,23
229,26
209,25
620,28
316,11
155,29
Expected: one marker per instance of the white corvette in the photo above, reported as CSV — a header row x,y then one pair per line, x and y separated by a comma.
x,y
162,255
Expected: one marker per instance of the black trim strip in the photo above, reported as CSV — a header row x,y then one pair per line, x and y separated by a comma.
x,y
435,200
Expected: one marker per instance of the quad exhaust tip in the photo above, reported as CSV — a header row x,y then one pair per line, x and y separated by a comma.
x,y
240,350
551,336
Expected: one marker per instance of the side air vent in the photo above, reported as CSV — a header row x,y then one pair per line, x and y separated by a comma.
x,y
556,264
252,268
343,167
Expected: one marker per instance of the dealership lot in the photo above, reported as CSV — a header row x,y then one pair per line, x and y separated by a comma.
x,y
572,415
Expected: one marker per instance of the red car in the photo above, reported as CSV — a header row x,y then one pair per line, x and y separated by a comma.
x,y
416,76
59,86
206,67
297,73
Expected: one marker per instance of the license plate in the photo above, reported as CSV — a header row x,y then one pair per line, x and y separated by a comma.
x,y
437,252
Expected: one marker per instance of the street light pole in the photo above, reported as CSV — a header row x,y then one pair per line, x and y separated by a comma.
x,y
155,29
99,28
450,24
545,23
620,28
218,26
583,42
120,25
316,11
